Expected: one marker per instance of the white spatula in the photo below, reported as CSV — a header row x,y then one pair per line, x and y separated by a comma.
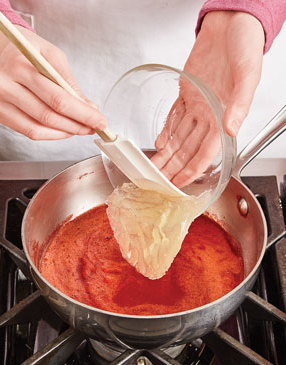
x,y
121,151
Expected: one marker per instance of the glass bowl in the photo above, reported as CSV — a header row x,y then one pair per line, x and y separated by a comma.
x,y
138,107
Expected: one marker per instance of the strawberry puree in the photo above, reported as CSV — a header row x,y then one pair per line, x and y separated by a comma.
x,y
84,262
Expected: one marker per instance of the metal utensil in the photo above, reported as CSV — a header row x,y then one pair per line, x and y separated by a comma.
x,y
123,152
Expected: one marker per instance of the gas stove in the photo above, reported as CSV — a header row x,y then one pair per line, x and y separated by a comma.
x,y
31,333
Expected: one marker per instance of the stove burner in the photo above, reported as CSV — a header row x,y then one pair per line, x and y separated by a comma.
x,y
32,334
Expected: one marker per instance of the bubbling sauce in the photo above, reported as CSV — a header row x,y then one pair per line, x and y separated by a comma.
x,y
84,262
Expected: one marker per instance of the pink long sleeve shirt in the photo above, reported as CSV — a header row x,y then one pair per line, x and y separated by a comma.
x,y
6,9
271,14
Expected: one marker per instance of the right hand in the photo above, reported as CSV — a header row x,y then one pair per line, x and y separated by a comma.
x,y
33,105
227,56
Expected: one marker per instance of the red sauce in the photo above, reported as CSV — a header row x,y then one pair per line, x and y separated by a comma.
x,y
84,262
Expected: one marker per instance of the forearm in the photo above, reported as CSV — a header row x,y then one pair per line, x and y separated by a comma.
x,y
14,18
270,13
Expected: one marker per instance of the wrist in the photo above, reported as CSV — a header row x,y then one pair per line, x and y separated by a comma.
x,y
215,22
218,23
221,30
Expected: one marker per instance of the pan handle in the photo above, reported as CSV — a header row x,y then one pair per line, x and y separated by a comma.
x,y
273,129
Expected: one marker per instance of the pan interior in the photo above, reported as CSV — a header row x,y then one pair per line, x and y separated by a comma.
x,y
86,185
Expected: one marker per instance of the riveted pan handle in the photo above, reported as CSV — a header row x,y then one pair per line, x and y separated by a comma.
x,y
268,134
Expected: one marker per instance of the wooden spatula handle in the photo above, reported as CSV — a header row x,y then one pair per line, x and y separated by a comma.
x,y
43,66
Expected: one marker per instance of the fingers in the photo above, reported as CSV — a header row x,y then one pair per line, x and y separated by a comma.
x,y
191,151
189,147
20,122
35,106
31,105
239,104
175,116
175,141
62,102
204,157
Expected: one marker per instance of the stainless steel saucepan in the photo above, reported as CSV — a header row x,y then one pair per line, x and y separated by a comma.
x,y
85,185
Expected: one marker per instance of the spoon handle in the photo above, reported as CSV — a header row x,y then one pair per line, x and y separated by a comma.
x,y
43,66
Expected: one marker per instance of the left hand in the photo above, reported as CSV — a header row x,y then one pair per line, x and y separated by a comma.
x,y
227,56
35,106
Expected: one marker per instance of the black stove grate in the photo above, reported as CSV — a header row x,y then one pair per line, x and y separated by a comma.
x,y
32,334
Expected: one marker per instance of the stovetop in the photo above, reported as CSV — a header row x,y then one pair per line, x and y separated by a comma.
x,y
29,170
31,333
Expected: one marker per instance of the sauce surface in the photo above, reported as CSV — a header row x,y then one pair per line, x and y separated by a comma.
x,y
84,262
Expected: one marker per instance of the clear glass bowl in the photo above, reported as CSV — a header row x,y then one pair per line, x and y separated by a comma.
x,y
138,106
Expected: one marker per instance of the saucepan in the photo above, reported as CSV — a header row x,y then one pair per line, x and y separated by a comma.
x,y
85,185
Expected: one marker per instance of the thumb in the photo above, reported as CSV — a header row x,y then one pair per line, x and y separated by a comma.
x,y
239,104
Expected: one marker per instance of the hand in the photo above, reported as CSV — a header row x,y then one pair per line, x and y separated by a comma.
x,y
33,105
227,56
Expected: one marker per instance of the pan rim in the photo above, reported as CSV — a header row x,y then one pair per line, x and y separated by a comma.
x,y
142,317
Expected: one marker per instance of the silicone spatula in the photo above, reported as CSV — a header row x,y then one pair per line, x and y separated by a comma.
x,y
121,151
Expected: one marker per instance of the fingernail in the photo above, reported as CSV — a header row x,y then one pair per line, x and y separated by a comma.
x,y
234,127
102,124
158,144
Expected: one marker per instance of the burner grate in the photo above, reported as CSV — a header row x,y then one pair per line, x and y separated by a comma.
x,y
30,333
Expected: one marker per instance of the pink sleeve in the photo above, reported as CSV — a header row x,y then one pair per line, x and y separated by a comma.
x,y
270,13
14,18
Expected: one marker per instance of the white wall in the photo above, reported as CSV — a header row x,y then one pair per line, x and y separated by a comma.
x,y
270,97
